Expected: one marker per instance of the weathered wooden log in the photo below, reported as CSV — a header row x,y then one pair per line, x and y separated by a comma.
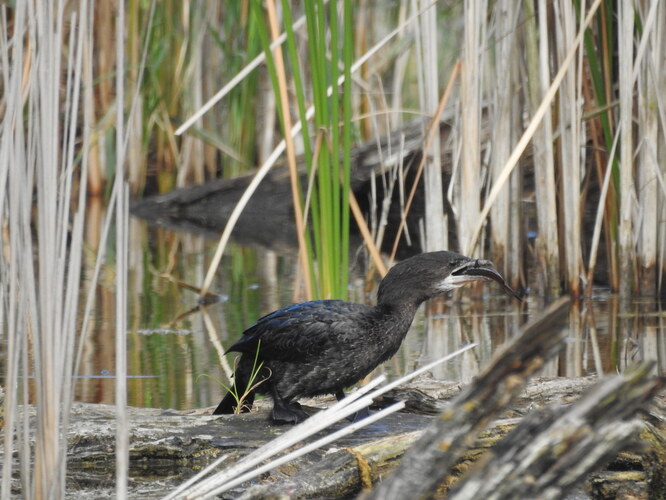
x,y
340,473
168,447
429,396
213,200
551,451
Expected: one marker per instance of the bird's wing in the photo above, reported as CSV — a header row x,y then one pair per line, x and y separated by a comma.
x,y
300,331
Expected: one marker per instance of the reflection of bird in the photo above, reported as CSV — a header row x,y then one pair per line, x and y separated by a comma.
x,y
323,346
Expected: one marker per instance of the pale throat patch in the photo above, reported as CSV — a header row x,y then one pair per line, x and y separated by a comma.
x,y
451,282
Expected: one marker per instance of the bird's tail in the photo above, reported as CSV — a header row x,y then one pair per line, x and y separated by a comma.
x,y
239,395
231,401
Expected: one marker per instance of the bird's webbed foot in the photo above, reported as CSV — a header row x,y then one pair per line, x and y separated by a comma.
x,y
286,413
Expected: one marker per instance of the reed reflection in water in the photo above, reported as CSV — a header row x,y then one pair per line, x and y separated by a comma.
x,y
177,359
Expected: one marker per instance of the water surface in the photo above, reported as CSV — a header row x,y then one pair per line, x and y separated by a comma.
x,y
176,350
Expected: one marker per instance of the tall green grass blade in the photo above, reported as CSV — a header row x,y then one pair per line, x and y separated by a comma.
x,y
348,59
327,202
299,87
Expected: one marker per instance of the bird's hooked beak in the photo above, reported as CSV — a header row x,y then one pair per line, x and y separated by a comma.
x,y
477,269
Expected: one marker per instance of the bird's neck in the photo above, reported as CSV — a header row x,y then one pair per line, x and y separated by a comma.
x,y
399,308
398,317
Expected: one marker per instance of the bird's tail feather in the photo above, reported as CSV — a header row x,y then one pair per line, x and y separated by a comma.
x,y
236,397
230,402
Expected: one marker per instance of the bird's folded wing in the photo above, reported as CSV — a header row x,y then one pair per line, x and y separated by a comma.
x,y
298,332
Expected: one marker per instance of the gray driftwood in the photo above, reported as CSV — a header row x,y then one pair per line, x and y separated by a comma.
x,y
551,451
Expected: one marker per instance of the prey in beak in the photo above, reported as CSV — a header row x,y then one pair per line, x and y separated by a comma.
x,y
479,269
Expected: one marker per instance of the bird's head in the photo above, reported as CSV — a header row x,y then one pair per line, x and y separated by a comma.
x,y
430,274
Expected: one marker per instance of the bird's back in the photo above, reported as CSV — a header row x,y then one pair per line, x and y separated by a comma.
x,y
317,347
305,329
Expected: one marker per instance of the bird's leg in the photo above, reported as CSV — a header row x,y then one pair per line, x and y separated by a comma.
x,y
354,417
284,412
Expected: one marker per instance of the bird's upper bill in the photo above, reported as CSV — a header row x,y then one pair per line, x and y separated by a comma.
x,y
475,270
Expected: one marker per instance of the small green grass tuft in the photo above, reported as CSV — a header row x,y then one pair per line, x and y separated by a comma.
x,y
251,385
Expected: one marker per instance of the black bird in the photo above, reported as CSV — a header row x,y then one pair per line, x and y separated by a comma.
x,y
323,346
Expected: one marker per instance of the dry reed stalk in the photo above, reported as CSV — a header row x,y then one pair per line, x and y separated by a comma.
x,y
136,173
122,216
435,218
432,129
469,199
104,66
517,274
14,206
649,88
506,107
290,147
399,70
191,161
570,113
659,69
626,189
122,420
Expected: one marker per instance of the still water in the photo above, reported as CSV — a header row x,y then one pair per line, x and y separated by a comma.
x,y
176,350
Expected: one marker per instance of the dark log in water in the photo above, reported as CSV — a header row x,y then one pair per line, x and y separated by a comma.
x,y
268,217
